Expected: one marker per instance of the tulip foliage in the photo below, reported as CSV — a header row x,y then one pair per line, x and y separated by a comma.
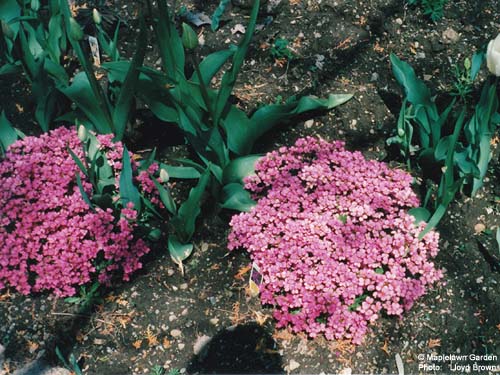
x,y
452,150
220,134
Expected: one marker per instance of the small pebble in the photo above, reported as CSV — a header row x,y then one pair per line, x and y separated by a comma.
x,y
308,124
175,333
214,321
293,365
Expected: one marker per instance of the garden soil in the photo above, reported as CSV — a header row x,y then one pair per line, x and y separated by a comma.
x,y
205,320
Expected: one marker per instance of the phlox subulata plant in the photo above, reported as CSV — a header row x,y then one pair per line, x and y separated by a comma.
x,y
51,239
333,238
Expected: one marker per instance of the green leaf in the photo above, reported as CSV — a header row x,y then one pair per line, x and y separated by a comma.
x,y
125,100
434,220
8,134
240,168
128,191
184,222
8,68
189,37
78,162
146,163
83,192
165,196
420,214
179,251
477,61
169,43
54,36
242,132
9,10
415,89
211,65
163,112
181,172
81,93
56,71
235,197
219,11
229,78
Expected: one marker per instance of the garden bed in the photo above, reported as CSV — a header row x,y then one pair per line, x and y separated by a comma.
x,y
163,318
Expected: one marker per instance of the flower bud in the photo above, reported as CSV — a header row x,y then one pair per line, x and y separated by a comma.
x,y
7,30
96,16
35,5
82,133
164,177
401,132
189,37
493,56
75,31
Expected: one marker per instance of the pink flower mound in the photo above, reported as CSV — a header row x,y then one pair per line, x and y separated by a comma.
x,y
49,237
333,239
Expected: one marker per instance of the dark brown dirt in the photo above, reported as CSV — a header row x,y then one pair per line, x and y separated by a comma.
x,y
161,318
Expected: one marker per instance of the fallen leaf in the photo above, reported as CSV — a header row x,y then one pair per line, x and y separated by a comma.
x,y
32,346
261,318
283,334
5,296
280,62
124,320
137,344
479,227
433,343
242,271
166,343
122,302
385,347
151,337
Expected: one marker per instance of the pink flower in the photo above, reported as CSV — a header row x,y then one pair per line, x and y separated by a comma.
x,y
333,239
49,238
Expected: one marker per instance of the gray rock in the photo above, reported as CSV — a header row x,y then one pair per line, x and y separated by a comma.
x,y
40,367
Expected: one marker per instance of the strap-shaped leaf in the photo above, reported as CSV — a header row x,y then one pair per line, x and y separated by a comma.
x,y
179,251
415,89
169,42
96,93
181,172
235,197
240,168
123,105
420,214
184,222
229,78
211,65
83,192
243,132
81,93
78,162
128,191
8,134
165,196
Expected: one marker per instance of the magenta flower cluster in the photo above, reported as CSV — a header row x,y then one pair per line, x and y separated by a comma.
x,y
333,239
50,239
